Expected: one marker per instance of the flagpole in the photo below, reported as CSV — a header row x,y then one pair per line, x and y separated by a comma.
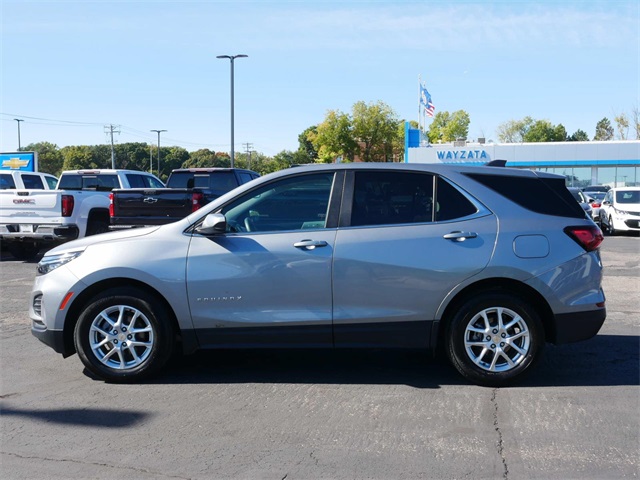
x,y
419,87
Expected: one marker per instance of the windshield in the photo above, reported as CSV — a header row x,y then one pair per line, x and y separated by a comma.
x,y
628,196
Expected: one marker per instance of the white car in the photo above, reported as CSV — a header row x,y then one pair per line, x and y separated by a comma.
x,y
620,210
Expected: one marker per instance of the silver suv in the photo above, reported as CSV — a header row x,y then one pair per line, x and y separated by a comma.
x,y
487,263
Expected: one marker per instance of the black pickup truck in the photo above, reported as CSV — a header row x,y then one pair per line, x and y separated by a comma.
x,y
188,189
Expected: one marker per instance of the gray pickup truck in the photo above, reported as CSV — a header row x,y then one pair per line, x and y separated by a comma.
x,y
188,189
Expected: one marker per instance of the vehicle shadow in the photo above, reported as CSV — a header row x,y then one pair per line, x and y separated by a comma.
x,y
605,360
91,417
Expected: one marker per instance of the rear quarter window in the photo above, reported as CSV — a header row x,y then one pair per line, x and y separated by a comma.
x,y
547,196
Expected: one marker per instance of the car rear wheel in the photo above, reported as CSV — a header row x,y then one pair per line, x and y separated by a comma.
x,y
123,336
494,338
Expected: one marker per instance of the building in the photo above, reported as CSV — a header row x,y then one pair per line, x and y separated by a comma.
x,y
613,163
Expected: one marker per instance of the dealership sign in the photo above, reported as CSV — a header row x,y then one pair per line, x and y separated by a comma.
x,y
453,155
26,161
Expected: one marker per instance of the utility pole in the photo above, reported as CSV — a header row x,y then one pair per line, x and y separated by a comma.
x,y
158,131
19,120
111,129
247,147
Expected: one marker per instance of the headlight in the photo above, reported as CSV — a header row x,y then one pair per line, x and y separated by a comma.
x,y
51,262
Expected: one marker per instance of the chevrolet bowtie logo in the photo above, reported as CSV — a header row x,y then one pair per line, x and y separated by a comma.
x,y
150,200
15,163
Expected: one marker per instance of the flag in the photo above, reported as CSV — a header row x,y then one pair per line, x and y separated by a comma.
x,y
425,101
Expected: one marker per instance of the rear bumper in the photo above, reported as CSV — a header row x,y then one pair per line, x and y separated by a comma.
x,y
575,327
51,233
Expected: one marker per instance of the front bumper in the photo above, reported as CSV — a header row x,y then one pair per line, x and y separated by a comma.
x,y
52,338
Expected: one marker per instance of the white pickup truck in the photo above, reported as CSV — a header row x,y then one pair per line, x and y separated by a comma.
x,y
20,180
79,206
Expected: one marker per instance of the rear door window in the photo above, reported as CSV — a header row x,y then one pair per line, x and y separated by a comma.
x,y
389,198
33,182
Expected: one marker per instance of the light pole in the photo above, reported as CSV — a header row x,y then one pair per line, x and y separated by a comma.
x,y
159,131
232,58
19,120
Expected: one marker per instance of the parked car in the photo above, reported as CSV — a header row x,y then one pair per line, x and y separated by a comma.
x,y
620,210
595,201
582,199
596,188
359,255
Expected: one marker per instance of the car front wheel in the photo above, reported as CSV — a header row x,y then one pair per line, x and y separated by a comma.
x,y
123,336
493,339
612,231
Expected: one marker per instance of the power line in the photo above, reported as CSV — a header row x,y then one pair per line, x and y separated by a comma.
x,y
126,129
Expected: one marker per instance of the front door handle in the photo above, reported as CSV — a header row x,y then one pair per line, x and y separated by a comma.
x,y
310,244
459,236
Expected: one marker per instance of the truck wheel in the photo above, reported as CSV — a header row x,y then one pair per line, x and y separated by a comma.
x,y
24,251
494,338
97,226
123,335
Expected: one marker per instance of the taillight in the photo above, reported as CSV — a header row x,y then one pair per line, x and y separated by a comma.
x,y
67,205
196,201
595,205
588,237
111,214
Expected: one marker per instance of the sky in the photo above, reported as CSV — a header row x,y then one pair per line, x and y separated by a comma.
x,y
71,68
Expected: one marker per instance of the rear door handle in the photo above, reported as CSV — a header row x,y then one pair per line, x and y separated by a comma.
x,y
310,244
459,236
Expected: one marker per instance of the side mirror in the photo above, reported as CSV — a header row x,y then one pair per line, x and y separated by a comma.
x,y
214,223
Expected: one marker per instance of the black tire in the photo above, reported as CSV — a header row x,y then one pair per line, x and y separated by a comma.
x,y
23,251
475,339
94,227
612,231
112,355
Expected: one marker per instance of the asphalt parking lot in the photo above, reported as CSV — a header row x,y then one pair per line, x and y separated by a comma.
x,y
304,415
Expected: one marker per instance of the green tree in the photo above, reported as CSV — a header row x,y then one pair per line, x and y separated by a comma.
x,y
203,158
50,158
604,130
334,138
306,147
78,158
447,127
579,136
513,131
375,128
544,131
133,156
170,159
